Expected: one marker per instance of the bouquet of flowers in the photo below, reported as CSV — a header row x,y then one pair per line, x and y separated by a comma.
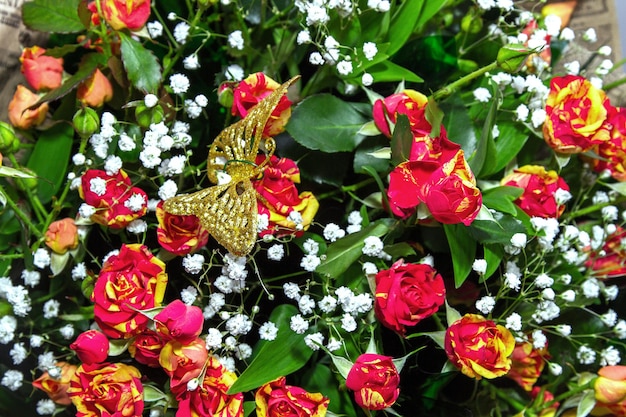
x,y
312,208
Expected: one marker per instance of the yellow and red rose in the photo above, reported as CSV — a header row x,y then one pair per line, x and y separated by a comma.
x,y
539,185
146,347
374,380
527,363
251,91
407,294
91,346
210,399
479,347
20,113
62,235
610,261
179,235
95,90
130,281
276,399
122,14
610,391
183,362
42,72
107,389
118,203
56,388
409,103
612,153
278,197
576,115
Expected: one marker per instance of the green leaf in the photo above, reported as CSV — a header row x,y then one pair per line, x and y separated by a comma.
x,y
619,187
493,255
50,159
458,124
118,346
321,378
499,231
152,393
387,71
326,123
586,404
60,16
462,250
280,357
429,10
142,67
502,198
486,145
342,364
452,314
401,141
249,407
508,145
434,115
344,252
372,153
13,173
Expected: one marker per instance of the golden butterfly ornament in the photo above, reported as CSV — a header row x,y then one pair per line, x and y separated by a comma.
x,y
228,210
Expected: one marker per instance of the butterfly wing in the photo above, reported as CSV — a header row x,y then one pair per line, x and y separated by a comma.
x,y
228,212
235,148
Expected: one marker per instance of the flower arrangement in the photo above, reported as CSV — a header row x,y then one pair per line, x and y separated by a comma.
x,y
311,208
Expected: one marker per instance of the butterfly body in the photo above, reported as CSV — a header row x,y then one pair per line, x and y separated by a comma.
x,y
228,210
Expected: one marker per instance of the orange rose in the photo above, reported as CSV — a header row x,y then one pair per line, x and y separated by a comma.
x,y
610,390
179,235
62,235
130,281
409,103
20,115
278,196
107,389
210,399
479,347
95,90
527,364
539,187
275,399
249,92
56,388
40,71
116,201
374,380
183,362
122,14
576,115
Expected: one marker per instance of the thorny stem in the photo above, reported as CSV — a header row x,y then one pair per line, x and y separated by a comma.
x,y
461,82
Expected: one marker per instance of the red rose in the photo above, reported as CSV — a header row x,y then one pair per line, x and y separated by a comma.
x,y
121,14
409,103
107,389
479,347
20,113
527,363
278,196
610,391
179,235
251,91
539,187
210,399
95,90
612,153
91,346
183,362
407,294
56,388
146,347
609,262
374,380
275,399
133,280
180,322
116,201
576,115
42,72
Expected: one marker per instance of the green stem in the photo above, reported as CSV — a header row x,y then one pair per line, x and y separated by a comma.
x,y
461,82
23,217
585,211
614,84
570,393
345,189
39,209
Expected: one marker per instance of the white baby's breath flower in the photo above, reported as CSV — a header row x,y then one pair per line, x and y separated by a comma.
x,y
590,35
482,95
181,32
179,83
480,266
235,40
486,304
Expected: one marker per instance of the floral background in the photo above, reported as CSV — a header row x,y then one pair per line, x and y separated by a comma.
x,y
312,208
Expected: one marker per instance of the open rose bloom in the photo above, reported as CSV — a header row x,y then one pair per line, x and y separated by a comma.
x,y
479,347
42,72
539,185
277,399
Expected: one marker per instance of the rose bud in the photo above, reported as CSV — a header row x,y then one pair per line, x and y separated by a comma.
x,y
62,235
9,142
374,380
91,346
180,322
95,90
86,121
20,115
610,390
40,71
56,388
